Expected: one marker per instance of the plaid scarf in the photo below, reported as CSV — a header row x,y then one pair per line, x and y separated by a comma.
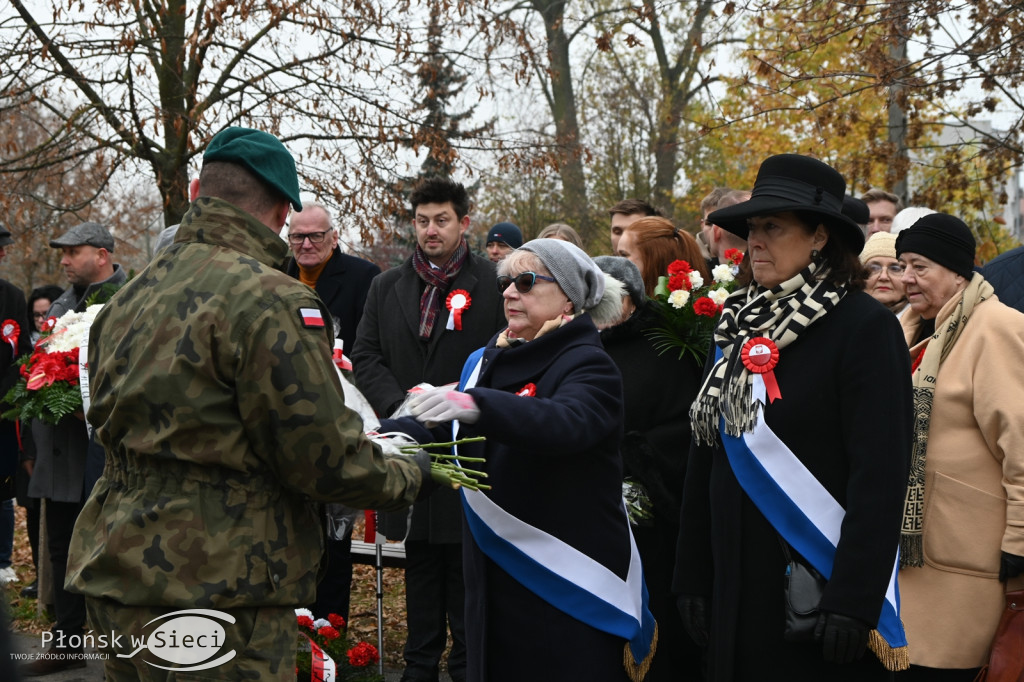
x,y
437,280
781,314
934,353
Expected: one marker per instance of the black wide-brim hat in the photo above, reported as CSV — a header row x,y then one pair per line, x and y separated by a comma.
x,y
791,182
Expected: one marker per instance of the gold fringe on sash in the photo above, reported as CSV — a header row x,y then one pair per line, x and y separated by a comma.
x,y
637,671
893,659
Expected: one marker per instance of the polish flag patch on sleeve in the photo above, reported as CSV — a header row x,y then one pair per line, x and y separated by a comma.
x,y
311,318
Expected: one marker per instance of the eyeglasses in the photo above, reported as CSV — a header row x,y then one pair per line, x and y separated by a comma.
x,y
38,316
313,237
894,270
524,281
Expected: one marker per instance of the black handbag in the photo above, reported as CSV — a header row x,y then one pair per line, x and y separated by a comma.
x,y
804,587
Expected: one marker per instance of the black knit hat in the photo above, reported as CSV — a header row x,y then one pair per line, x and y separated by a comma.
x,y
507,233
942,238
791,182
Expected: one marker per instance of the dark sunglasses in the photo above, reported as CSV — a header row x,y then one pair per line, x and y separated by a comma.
x,y
524,281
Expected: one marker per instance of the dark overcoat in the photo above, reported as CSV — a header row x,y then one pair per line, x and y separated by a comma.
x,y
553,462
343,285
62,449
845,412
658,389
389,358
1006,275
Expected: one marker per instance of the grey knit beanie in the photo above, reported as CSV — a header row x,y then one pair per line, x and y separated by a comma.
x,y
589,289
626,272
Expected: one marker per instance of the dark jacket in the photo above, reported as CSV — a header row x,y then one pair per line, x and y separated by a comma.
x,y
13,309
845,412
658,390
1006,275
389,358
553,462
342,285
62,449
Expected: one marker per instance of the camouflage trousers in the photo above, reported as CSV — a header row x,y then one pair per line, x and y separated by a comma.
x,y
263,640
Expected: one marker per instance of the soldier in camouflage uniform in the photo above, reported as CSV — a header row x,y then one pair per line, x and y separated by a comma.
x,y
224,425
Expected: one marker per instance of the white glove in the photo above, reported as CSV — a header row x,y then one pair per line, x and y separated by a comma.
x,y
444,405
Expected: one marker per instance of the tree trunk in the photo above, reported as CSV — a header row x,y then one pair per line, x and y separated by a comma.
x,y
567,130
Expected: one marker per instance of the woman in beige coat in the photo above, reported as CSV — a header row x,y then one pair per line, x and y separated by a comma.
x,y
963,531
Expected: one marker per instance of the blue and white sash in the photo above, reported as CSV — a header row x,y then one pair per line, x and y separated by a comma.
x,y
805,514
557,572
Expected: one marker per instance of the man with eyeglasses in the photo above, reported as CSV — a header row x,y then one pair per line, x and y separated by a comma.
x,y
421,322
340,280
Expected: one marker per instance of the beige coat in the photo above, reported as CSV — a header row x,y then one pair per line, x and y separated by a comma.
x,y
974,490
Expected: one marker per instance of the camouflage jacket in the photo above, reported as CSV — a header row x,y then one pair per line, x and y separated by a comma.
x,y
224,424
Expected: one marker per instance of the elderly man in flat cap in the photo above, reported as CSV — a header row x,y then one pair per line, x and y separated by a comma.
x,y
225,426
62,450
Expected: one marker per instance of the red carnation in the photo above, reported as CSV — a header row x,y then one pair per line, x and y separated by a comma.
x,y
679,267
363,654
679,281
305,622
735,255
705,306
336,620
328,632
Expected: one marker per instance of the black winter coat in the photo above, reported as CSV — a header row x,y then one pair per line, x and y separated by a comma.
x,y
1006,275
845,412
389,358
658,390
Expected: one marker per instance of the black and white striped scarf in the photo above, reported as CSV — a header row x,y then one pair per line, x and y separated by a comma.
x,y
781,314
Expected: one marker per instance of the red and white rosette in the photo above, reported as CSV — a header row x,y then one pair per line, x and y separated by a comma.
x,y
760,355
9,331
527,391
457,302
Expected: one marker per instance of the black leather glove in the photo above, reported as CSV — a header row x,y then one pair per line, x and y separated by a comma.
x,y
1010,566
694,612
843,638
422,458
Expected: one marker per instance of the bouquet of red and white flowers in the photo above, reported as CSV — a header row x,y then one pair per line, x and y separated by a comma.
x,y
324,653
690,307
49,386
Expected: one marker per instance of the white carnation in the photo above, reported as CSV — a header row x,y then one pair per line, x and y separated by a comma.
x,y
70,330
718,295
723,273
303,612
320,623
696,281
678,298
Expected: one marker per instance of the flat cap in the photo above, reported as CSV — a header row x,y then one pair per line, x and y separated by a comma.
x,y
86,234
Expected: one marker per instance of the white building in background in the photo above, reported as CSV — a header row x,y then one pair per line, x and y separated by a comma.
x,y
974,132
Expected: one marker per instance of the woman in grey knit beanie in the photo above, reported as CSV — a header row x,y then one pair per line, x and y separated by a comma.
x,y
548,401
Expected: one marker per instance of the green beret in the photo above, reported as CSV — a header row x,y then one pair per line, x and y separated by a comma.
x,y
262,154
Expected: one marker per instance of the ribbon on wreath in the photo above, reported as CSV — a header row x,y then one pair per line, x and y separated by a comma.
x,y
323,667
457,303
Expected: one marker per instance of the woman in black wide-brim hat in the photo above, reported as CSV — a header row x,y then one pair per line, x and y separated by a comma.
x,y
801,447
